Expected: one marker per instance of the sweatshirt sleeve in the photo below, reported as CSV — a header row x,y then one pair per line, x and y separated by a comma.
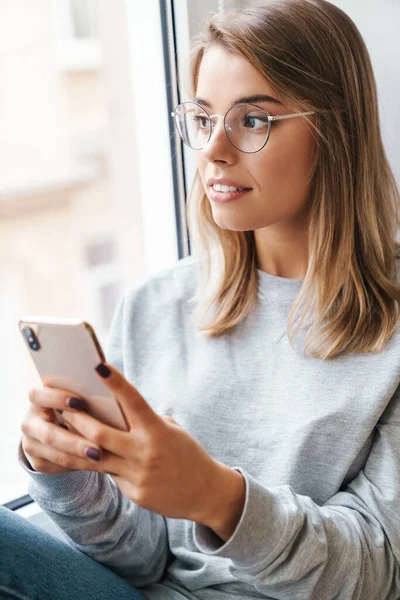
x,y
349,548
93,515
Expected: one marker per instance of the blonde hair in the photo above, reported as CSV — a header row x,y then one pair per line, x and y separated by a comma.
x,y
314,56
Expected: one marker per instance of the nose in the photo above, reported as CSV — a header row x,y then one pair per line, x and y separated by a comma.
x,y
214,123
219,145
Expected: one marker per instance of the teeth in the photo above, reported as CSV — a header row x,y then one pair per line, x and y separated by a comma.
x,y
225,188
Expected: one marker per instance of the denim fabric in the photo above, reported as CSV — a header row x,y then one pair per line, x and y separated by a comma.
x,y
35,565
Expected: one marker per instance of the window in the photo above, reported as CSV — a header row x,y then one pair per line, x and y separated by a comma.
x,y
84,19
77,34
102,283
80,223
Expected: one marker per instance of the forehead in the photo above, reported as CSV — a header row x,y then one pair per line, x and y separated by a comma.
x,y
224,76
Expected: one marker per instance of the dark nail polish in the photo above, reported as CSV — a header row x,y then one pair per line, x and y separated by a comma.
x,y
76,403
93,453
60,412
64,426
103,370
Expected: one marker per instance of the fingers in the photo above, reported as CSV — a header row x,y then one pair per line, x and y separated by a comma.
x,y
101,435
133,405
49,443
46,440
50,460
55,438
48,397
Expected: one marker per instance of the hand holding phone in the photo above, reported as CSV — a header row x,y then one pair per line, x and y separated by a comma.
x,y
48,447
156,463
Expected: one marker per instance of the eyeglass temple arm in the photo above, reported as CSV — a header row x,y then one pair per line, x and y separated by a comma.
x,y
281,117
276,118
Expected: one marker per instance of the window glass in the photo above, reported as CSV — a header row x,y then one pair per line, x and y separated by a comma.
x,y
84,18
80,222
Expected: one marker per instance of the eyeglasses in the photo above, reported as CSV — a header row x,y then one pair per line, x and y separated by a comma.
x,y
247,126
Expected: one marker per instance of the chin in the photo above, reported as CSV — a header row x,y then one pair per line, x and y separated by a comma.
x,y
239,224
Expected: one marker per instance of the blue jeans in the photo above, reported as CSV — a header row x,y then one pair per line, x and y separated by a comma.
x,y
35,565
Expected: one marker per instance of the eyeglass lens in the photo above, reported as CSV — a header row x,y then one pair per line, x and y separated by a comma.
x,y
247,126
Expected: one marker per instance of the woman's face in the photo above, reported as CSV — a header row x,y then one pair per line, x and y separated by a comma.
x,y
277,174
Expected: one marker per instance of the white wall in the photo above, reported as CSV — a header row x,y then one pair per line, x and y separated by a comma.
x,y
379,23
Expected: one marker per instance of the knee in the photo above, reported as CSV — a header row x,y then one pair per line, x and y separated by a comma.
x,y
7,521
15,533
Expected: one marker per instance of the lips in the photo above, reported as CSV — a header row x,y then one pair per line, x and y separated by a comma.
x,y
223,197
212,180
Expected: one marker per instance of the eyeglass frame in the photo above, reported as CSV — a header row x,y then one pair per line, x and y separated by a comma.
x,y
269,116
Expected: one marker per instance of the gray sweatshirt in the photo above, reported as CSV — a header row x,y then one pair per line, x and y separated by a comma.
x,y
318,443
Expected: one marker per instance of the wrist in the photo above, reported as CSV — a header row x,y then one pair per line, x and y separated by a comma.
x,y
226,502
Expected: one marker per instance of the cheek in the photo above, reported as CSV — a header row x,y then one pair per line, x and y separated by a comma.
x,y
285,162
201,165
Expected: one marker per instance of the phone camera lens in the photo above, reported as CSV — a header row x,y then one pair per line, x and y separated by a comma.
x,y
31,338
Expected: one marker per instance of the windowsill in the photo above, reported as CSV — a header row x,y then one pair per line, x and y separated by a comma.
x,y
29,511
37,517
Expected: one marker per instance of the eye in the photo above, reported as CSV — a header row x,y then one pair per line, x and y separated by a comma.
x,y
200,121
256,123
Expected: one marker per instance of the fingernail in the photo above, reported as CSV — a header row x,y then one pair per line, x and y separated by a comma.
x,y
76,403
93,453
60,412
103,370
63,426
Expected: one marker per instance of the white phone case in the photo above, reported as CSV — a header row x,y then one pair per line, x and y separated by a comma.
x,y
66,358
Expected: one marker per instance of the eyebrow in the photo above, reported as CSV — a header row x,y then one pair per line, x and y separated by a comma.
x,y
248,99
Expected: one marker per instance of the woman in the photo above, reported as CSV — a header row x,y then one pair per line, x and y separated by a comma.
x,y
262,460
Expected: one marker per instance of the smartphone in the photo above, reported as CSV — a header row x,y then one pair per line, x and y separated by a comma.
x,y
65,352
